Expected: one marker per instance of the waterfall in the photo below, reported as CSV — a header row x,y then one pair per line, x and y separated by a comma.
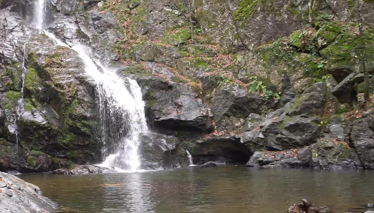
x,y
190,158
121,108
121,111
39,14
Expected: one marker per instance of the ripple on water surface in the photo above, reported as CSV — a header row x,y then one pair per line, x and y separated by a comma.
x,y
224,189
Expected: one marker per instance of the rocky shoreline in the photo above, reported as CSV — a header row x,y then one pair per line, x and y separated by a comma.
x,y
17,196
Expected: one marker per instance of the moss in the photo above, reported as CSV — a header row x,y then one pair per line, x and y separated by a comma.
x,y
14,72
85,126
36,153
12,95
343,51
181,36
284,122
327,34
65,138
351,4
32,80
245,10
32,161
28,105
303,40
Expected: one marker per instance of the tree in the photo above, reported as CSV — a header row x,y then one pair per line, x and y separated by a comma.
x,y
363,63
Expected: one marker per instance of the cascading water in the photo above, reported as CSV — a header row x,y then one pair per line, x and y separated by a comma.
x,y
189,156
120,103
121,111
39,14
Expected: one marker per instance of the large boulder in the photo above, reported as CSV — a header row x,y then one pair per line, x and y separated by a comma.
x,y
159,151
344,91
294,158
295,125
174,106
54,125
311,102
362,137
330,153
16,195
233,100
277,131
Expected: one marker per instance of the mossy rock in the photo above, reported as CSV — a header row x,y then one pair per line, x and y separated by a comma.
x,y
180,37
245,10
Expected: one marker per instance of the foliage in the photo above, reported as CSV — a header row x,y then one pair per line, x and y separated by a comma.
x,y
258,86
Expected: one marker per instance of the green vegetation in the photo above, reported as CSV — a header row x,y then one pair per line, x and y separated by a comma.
x,y
180,36
245,10
258,86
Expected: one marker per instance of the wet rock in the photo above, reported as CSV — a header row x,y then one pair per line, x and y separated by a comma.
x,y
13,30
308,207
282,132
19,196
59,107
294,158
234,101
337,132
158,53
329,153
362,137
288,93
311,102
208,164
176,107
252,121
97,29
220,149
344,91
83,169
158,151
2,117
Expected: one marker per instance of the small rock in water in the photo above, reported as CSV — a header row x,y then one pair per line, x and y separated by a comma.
x,y
84,169
208,164
306,207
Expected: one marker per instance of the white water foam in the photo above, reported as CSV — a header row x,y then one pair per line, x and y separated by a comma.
x,y
120,100
39,14
190,158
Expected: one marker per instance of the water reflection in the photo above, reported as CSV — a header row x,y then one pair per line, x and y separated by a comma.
x,y
223,189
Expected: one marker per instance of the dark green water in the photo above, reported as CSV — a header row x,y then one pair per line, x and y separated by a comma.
x,y
224,189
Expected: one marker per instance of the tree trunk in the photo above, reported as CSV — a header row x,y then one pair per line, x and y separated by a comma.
x,y
192,11
364,70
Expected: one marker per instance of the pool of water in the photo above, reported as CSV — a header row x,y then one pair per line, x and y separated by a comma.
x,y
223,189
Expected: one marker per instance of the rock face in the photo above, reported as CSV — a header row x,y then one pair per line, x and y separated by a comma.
x,y
362,137
178,108
231,81
295,158
19,196
159,151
